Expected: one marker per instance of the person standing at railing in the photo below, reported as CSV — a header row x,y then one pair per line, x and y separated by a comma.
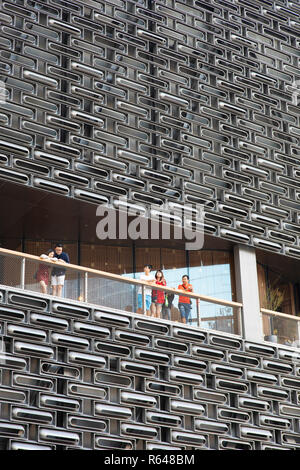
x,y
58,273
167,305
147,277
184,302
158,296
42,274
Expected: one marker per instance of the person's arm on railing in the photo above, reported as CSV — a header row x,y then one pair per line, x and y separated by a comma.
x,y
191,289
47,258
64,258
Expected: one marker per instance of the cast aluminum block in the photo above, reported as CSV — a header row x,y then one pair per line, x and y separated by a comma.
x,y
201,97
224,393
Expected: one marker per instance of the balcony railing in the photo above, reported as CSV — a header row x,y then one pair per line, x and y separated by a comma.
x,y
281,328
114,291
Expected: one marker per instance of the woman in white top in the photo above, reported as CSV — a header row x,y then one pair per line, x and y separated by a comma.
x,y
149,278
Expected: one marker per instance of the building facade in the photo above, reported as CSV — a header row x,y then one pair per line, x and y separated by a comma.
x,y
146,104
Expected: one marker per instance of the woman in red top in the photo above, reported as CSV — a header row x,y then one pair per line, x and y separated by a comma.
x,y
42,274
158,296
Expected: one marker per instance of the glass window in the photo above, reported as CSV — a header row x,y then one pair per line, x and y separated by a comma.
x,y
111,259
173,263
71,287
9,267
276,292
212,274
39,247
147,256
279,292
174,266
14,244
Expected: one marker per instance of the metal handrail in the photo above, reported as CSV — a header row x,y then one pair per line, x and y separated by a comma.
x,y
279,314
272,314
117,277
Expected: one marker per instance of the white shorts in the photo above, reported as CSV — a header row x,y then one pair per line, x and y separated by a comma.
x,y
57,280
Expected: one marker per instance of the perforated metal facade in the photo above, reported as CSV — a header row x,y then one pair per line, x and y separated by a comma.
x,y
78,376
186,101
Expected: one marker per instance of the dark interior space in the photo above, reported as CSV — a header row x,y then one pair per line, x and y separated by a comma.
x,y
36,215
281,273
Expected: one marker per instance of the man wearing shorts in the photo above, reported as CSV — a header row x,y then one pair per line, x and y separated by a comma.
x,y
58,273
184,303
146,276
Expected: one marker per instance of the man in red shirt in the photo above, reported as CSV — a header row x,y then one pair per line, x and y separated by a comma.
x,y
184,303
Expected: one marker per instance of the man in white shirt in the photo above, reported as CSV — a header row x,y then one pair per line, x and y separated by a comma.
x,y
149,278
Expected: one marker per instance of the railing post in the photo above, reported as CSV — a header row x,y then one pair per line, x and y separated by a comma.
x,y
270,321
22,280
85,286
198,312
298,328
144,300
239,321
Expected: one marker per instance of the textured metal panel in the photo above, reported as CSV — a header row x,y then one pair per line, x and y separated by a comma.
x,y
224,393
158,101
198,95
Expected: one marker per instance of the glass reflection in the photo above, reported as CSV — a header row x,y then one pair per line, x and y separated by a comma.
x,y
211,274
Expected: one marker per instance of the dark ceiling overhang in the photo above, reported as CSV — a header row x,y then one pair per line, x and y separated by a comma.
x,y
28,213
